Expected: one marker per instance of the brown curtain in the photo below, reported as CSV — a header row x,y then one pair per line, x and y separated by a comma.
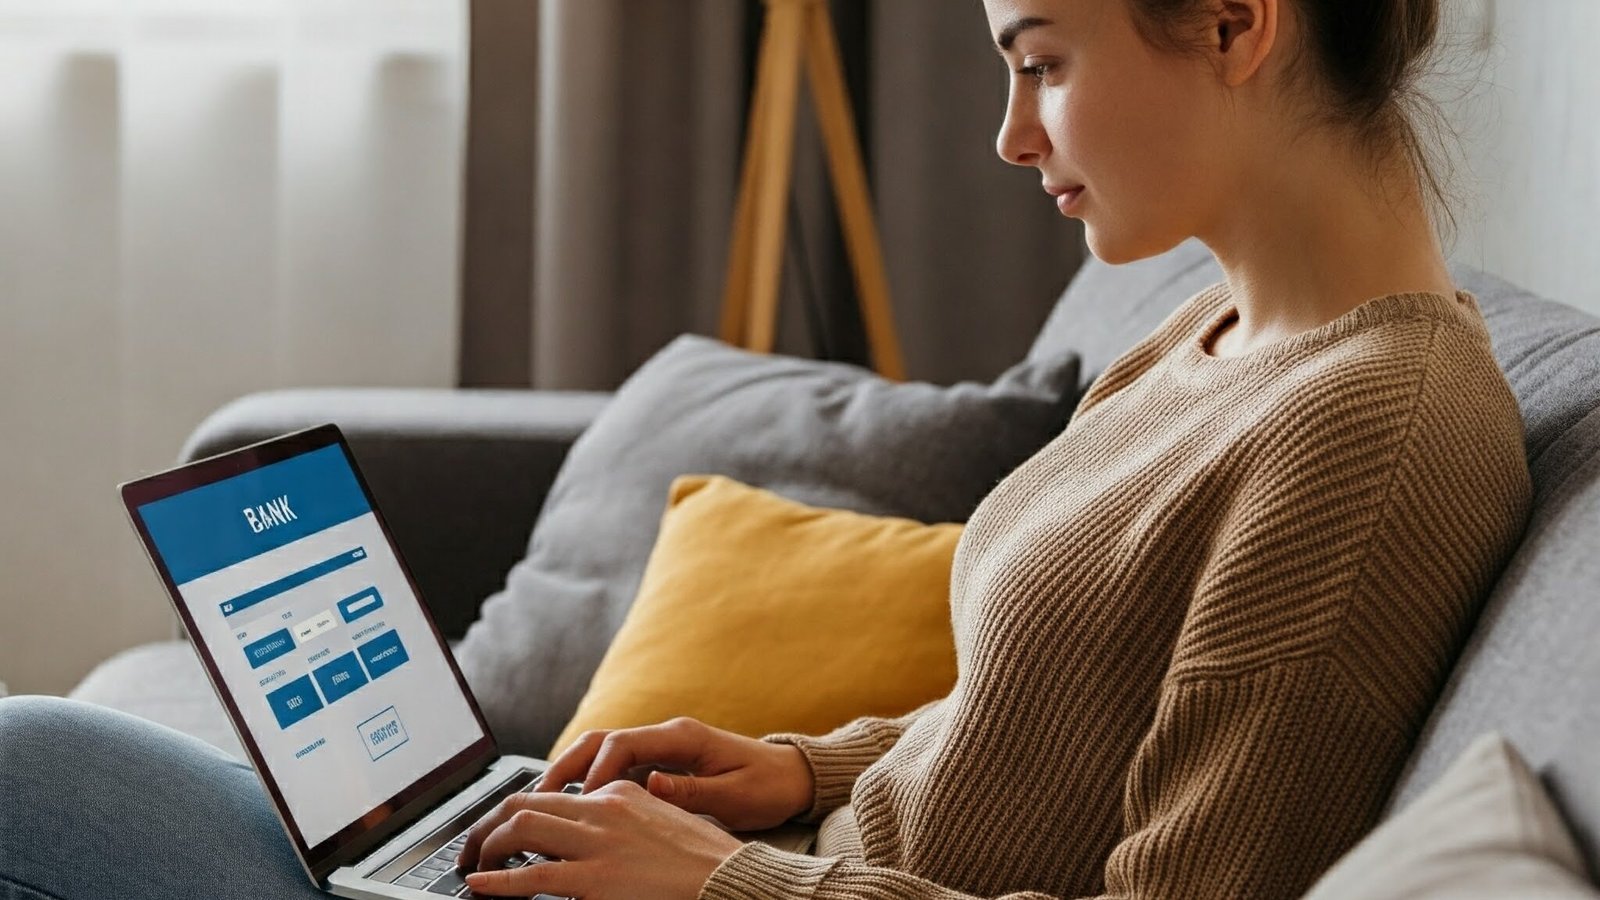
x,y
603,155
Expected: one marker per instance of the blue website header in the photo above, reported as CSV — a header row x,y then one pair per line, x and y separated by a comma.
x,y
210,528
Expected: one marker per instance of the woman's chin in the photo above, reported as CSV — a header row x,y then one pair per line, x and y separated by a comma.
x,y
1111,248
1116,248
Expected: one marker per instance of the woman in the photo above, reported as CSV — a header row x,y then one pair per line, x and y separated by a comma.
x,y
1196,634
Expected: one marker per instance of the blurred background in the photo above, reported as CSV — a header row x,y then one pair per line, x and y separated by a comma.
x,y
205,198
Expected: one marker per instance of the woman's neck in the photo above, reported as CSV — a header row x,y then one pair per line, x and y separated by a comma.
x,y
1303,243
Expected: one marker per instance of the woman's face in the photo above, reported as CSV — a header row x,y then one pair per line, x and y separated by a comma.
x,y
1145,132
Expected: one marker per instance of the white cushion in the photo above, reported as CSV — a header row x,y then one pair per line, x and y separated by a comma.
x,y
1485,830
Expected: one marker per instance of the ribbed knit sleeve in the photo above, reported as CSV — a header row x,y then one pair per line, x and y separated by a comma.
x,y
759,870
1247,788
839,757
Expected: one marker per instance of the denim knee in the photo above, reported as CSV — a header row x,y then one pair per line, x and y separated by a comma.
x,y
36,731
96,802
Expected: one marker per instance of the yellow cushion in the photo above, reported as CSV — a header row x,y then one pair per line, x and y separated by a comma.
x,y
758,614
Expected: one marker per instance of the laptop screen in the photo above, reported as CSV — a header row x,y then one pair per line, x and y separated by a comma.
x,y
311,626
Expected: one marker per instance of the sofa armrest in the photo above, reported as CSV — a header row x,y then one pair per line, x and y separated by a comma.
x,y
459,474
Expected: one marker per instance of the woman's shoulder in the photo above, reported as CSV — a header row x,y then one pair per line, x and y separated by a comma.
x,y
1423,391
1400,350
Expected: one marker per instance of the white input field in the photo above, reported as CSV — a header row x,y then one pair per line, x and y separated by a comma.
x,y
317,624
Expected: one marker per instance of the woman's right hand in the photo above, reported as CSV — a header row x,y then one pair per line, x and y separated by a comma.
x,y
744,783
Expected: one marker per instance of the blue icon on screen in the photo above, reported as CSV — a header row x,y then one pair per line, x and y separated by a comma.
x,y
268,648
383,654
294,701
340,677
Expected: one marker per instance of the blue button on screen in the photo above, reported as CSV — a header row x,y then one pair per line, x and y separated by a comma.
x,y
340,677
383,654
294,701
268,648
354,607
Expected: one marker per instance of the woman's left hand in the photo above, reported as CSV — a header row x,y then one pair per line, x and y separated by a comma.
x,y
620,841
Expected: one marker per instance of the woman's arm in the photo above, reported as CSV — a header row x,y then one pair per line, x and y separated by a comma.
x,y
1247,786
840,756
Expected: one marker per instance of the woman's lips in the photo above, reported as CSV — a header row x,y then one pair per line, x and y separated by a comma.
x,y
1066,200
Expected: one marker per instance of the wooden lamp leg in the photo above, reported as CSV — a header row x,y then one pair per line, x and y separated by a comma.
x,y
736,286
786,19
832,102
796,30
750,295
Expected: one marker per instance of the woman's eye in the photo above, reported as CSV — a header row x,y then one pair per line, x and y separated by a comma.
x,y
1036,72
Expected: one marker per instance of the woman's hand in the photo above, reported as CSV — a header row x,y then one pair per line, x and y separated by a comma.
x,y
744,783
616,842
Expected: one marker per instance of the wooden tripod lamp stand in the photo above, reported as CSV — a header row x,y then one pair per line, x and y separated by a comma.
x,y
797,30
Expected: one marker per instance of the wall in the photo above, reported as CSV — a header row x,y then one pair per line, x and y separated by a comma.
x,y
1530,137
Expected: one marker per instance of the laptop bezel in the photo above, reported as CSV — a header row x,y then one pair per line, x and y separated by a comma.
x,y
371,830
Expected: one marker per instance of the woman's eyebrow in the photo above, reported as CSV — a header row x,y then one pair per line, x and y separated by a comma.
x,y
1008,34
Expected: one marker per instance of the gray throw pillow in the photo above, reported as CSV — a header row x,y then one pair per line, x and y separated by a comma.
x,y
826,434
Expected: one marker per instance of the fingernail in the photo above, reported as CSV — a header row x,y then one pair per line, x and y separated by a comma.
x,y
664,786
472,875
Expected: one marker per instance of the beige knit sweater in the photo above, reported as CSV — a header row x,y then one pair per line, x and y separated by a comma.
x,y
1197,633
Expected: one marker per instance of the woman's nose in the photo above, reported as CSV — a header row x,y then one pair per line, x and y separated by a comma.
x,y
1021,141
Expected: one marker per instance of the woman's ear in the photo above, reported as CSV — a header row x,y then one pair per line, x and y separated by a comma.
x,y
1244,33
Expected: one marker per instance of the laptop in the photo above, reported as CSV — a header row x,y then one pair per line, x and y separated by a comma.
x,y
343,692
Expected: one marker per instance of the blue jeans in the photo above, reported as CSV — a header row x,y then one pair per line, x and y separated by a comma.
x,y
96,803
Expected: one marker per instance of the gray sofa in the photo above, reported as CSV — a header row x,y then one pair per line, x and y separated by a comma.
x,y
460,473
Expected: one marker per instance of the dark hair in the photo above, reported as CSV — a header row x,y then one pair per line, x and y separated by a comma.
x,y
1367,57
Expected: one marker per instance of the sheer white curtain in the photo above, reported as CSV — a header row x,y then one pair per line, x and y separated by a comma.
x,y
198,199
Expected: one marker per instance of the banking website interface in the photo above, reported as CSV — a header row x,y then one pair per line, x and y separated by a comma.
x,y
294,589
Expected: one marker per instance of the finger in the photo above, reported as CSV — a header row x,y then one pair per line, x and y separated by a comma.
x,y
535,832
567,806
573,762
691,792
669,743
563,879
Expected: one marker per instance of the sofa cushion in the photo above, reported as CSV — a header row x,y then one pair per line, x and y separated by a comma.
x,y
162,682
760,615
1530,668
1550,353
824,434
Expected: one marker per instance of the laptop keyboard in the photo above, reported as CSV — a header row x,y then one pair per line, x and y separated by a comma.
x,y
438,874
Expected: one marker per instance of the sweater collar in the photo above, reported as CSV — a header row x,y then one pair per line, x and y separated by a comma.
x,y
1216,303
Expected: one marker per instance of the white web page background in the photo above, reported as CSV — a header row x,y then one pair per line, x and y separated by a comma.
x,y
321,763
